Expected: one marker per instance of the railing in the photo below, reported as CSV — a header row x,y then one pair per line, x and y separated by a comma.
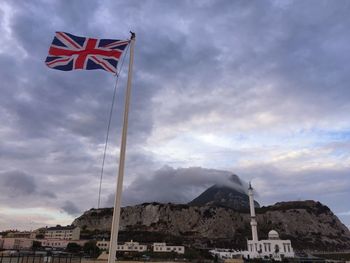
x,y
20,258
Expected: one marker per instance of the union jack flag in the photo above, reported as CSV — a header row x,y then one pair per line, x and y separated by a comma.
x,y
68,52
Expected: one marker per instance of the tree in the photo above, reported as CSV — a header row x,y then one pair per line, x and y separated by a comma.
x,y
191,253
277,249
91,249
36,245
73,247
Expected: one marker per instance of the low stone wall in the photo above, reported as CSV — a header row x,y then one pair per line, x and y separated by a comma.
x,y
117,261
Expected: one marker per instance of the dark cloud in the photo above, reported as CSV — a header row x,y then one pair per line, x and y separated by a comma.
x,y
18,183
327,185
179,185
258,88
48,194
70,208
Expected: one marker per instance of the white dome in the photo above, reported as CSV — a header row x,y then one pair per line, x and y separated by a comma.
x,y
273,234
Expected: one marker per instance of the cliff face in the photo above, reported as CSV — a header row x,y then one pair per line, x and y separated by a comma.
x,y
232,195
223,196
308,224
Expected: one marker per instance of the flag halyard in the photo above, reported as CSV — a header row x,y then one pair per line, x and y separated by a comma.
x,y
68,52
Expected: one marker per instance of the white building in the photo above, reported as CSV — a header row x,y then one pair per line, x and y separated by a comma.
x,y
224,253
103,245
273,247
163,247
126,247
132,246
59,243
23,234
63,233
55,243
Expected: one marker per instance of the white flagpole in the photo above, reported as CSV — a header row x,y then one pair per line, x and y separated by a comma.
x,y
119,187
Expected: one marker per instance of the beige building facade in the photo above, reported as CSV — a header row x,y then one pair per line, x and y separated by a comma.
x,y
59,243
63,233
16,243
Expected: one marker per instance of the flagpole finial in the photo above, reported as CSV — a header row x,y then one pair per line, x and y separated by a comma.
x,y
132,35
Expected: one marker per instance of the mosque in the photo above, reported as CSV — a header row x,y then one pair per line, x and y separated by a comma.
x,y
271,248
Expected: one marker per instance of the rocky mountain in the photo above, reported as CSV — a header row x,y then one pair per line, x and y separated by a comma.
x,y
223,196
309,224
232,194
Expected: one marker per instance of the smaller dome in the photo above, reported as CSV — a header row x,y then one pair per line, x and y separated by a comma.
x,y
273,234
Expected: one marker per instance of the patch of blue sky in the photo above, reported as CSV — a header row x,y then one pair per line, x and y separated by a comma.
x,y
338,135
301,138
222,149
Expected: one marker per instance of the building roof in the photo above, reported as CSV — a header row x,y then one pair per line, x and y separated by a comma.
x,y
58,227
273,234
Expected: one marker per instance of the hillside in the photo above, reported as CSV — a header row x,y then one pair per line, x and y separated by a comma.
x,y
309,224
231,194
223,196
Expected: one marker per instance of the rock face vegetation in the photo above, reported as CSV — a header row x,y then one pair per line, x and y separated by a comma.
x,y
309,224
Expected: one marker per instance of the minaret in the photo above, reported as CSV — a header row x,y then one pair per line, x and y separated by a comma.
x,y
253,222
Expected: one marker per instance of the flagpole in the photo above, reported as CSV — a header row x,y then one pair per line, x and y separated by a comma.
x,y
119,186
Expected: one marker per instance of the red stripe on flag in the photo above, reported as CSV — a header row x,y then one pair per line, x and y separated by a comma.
x,y
90,47
54,51
55,61
103,64
117,44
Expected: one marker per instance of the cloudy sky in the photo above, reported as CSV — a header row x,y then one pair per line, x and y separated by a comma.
x,y
255,88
